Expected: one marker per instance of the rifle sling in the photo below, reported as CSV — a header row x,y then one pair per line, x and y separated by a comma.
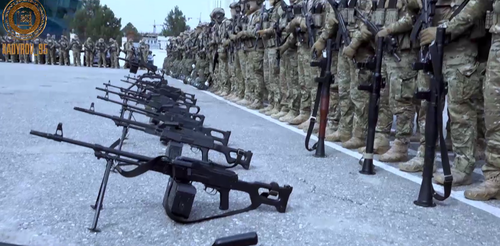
x,y
445,161
459,9
313,118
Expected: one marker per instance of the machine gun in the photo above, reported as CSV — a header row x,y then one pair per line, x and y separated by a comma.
x,y
190,121
180,192
161,103
136,63
148,92
174,131
391,43
435,98
322,101
377,83
260,25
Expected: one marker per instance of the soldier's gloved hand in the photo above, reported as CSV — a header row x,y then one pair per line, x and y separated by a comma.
x,y
319,46
282,50
261,32
382,33
241,35
415,4
226,43
294,23
348,51
303,25
427,35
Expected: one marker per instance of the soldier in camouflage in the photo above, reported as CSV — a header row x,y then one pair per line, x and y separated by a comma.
x,y
51,50
233,61
243,93
129,49
143,50
113,53
101,48
36,50
76,47
64,51
89,52
223,42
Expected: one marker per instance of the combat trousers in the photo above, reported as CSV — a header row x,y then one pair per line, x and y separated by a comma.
x,y
460,72
89,58
129,56
63,58
114,59
345,71
255,74
76,58
266,71
273,89
241,71
333,108
492,111
224,75
306,79
102,59
50,57
359,98
402,80
232,63
291,79
36,54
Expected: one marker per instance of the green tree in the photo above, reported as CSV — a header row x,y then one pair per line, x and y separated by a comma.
x,y
96,21
175,23
130,31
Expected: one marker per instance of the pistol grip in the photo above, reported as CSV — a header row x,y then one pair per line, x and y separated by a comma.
x,y
224,199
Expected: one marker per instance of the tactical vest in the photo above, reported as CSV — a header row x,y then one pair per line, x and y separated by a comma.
x,y
267,18
112,47
448,9
348,11
386,13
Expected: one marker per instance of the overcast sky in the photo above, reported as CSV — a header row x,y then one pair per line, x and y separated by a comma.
x,y
142,14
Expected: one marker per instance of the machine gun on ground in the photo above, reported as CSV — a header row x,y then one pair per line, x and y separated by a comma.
x,y
246,239
180,192
377,83
435,98
322,101
136,63
174,131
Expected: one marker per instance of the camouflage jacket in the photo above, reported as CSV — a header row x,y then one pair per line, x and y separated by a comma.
x,y
101,47
76,46
89,46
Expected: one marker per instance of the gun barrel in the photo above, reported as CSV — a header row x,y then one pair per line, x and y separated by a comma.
x,y
95,147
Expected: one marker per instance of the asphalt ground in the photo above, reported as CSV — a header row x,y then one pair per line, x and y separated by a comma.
x,y
47,186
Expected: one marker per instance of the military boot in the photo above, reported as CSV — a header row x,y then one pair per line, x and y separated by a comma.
x,y
488,189
289,116
338,136
380,145
267,108
243,102
284,111
223,93
303,116
257,104
397,153
304,125
459,178
276,109
416,164
354,143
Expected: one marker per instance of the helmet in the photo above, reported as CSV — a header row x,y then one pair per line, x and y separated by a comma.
x,y
101,40
76,36
111,40
217,11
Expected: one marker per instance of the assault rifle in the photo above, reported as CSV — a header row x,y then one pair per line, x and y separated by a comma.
x,y
136,63
174,131
322,101
180,193
435,98
277,34
310,26
260,25
191,121
390,41
342,33
148,92
377,83
160,103
424,21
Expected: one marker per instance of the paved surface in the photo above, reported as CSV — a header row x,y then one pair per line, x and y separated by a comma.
x,y
47,186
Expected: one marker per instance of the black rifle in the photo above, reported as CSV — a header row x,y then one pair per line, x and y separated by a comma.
x,y
148,92
260,25
277,35
390,41
435,98
322,101
136,63
159,103
180,193
174,131
190,121
310,26
424,21
377,83
246,239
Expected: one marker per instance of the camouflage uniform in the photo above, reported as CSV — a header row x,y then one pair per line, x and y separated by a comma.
x,y
329,32
89,52
143,49
76,47
129,48
255,56
64,51
289,78
244,89
101,48
223,42
36,50
15,57
51,50
202,66
114,53
271,68
236,79
490,188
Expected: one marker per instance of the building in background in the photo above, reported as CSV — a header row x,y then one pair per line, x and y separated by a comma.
x,y
151,39
59,12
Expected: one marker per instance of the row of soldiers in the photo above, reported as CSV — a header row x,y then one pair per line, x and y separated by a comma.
x,y
263,55
63,46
